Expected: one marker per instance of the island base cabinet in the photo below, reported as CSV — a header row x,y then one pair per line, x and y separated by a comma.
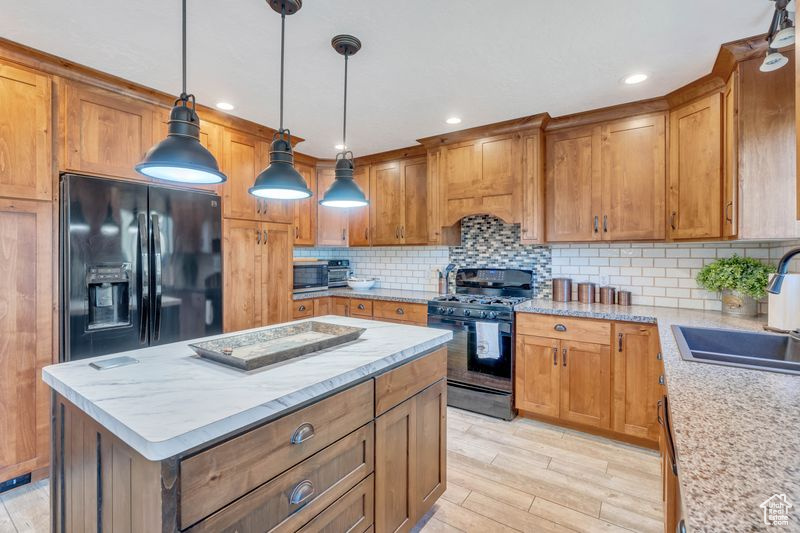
x,y
410,469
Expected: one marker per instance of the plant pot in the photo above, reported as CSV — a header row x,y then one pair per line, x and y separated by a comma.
x,y
738,304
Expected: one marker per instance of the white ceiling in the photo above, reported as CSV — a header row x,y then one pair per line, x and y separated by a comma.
x,y
421,61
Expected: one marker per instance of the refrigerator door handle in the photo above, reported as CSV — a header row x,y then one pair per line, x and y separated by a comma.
x,y
157,276
144,278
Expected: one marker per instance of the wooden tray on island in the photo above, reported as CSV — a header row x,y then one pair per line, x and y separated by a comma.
x,y
250,351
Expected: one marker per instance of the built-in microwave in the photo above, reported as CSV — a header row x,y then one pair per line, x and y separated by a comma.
x,y
310,276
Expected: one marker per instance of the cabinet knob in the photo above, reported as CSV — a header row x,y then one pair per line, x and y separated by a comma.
x,y
303,432
361,306
301,308
400,311
301,492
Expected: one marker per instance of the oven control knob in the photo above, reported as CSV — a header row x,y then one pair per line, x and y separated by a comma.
x,y
450,310
483,314
467,312
441,310
492,315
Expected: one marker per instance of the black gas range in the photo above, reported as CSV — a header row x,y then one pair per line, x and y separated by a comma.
x,y
481,355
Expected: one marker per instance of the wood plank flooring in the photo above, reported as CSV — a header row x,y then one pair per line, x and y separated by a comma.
x,y
519,476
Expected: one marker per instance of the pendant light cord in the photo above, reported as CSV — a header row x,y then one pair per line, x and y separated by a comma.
x,y
283,31
184,96
344,120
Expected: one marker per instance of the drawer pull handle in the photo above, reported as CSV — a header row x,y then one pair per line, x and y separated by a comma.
x,y
361,306
301,308
301,493
555,356
400,311
661,380
560,327
564,354
302,433
619,342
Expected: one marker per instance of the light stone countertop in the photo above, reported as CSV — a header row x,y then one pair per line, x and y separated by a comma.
x,y
173,401
392,295
736,431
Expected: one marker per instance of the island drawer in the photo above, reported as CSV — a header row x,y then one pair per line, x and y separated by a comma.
x,y
401,312
400,384
564,328
217,476
353,512
301,493
360,307
302,309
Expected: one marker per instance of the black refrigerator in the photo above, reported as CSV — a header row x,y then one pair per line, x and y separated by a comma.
x,y
140,266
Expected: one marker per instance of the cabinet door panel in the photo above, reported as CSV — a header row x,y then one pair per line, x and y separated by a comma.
x,y
695,195
331,221
26,324
387,207
532,226
359,216
396,468
241,159
276,273
586,383
730,206
242,274
106,133
431,478
537,379
636,373
499,169
305,211
25,137
572,187
633,171
461,171
415,201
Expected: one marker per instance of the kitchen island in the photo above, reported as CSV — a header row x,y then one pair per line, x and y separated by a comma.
x,y
352,438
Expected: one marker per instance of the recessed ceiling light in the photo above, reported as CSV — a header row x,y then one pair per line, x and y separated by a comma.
x,y
633,79
340,147
225,106
453,120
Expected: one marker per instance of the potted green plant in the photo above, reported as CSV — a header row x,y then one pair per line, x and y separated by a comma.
x,y
741,280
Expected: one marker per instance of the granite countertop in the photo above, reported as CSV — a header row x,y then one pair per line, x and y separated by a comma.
x,y
736,431
173,401
392,295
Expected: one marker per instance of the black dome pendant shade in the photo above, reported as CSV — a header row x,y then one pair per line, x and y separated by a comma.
x,y
344,191
180,157
280,179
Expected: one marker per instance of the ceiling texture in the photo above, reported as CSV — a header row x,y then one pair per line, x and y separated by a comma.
x,y
421,61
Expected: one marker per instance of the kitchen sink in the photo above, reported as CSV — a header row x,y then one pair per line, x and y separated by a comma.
x,y
760,351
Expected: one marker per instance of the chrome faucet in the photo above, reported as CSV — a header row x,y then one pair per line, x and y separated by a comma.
x,y
775,283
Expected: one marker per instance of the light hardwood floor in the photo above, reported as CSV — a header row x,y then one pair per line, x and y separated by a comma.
x,y
502,477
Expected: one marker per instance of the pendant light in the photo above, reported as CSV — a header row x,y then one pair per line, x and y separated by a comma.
x,y
773,61
280,179
344,191
784,29
180,157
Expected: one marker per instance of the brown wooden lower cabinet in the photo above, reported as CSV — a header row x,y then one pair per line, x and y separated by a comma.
x,y
358,473
385,310
592,374
410,458
671,492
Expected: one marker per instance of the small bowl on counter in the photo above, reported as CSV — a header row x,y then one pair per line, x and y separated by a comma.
x,y
361,283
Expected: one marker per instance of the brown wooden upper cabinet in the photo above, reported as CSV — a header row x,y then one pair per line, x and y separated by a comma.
x,y
359,216
481,177
257,274
26,327
607,181
532,226
25,134
332,222
399,202
305,211
695,170
106,134
242,154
